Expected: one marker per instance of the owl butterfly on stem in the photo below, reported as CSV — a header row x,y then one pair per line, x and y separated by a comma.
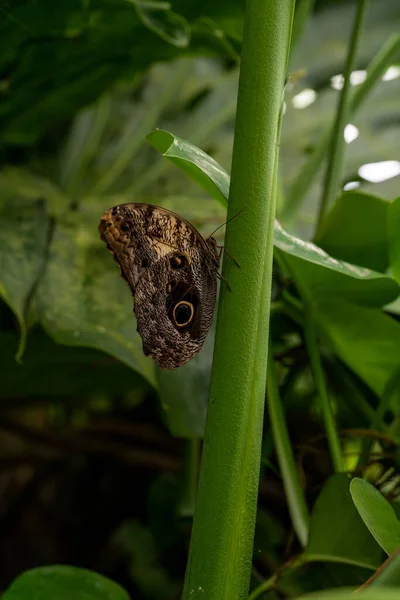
x,y
172,272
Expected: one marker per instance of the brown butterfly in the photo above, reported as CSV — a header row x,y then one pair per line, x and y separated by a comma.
x,y
172,272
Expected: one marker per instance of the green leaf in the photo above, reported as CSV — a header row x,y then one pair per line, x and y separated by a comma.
x,y
355,230
377,514
55,61
184,393
63,583
82,300
320,274
365,338
394,237
388,574
23,242
322,277
337,533
196,163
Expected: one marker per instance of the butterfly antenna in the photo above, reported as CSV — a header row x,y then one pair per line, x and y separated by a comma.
x,y
226,222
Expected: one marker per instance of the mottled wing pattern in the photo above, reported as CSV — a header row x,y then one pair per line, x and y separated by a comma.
x,y
172,273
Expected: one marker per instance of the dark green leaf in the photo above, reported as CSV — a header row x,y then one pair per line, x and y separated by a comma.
x,y
337,533
63,583
57,60
377,514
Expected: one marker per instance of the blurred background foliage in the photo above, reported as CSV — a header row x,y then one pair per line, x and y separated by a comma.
x,y
98,447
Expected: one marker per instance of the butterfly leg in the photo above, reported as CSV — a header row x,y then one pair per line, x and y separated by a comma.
x,y
222,249
225,281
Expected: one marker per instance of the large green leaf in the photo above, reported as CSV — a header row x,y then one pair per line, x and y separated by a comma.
x,y
320,275
377,514
365,338
82,300
23,243
355,230
394,237
63,583
337,533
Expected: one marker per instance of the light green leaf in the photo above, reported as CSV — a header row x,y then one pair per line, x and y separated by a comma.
x,y
388,574
364,338
337,533
355,230
394,237
196,163
63,583
322,276
377,514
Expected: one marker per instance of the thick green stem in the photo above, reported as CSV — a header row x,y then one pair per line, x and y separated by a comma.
x,y
294,494
222,540
336,152
320,384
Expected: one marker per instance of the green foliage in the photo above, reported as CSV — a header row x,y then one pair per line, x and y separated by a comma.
x,y
336,532
61,582
99,103
377,514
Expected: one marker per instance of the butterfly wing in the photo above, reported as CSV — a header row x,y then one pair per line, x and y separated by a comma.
x,y
172,273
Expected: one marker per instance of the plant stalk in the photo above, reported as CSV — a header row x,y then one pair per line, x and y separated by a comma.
x,y
222,540
320,384
294,494
334,169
